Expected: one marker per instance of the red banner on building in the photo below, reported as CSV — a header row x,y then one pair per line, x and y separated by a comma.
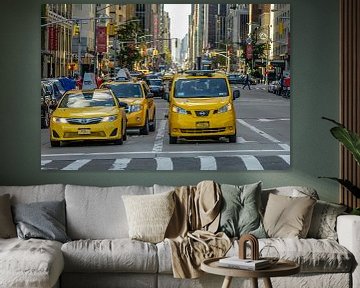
x,y
101,39
249,51
53,38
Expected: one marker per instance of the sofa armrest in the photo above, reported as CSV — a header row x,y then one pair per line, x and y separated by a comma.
x,y
348,230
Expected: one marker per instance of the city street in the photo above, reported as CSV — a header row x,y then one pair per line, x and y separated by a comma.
x,y
263,143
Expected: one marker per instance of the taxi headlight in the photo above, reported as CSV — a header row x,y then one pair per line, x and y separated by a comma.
x,y
134,108
109,118
179,110
225,108
59,120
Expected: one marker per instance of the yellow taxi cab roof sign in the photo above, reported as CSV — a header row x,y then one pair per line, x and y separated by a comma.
x,y
200,72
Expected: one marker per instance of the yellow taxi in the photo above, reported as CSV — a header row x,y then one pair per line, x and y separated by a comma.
x,y
141,109
88,115
201,106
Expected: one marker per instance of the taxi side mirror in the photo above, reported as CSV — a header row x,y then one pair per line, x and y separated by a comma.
x,y
123,105
236,94
150,95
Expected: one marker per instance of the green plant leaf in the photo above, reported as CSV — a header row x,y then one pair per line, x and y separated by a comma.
x,y
349,139
347,184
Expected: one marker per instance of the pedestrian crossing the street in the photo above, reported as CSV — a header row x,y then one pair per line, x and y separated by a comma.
x,y
197,163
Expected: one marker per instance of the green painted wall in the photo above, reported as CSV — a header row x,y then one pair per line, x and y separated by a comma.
x,y
315,65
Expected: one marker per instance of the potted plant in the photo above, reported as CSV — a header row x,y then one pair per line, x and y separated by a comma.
x,y
351,141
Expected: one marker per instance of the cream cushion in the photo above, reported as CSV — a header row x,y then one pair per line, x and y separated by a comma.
x,y
149,215
288,216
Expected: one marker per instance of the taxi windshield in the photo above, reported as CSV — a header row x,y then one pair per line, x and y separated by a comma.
x,y
201,87
87,99
126,90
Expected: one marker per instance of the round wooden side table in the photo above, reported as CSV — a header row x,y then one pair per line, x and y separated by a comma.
x,y
281,268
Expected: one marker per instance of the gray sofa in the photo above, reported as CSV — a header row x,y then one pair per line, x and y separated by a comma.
x,y
101,254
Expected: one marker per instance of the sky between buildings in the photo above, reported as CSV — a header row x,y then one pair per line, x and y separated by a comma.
x,y
178,14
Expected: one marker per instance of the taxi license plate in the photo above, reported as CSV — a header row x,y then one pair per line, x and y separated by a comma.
x,y
203,124
84,131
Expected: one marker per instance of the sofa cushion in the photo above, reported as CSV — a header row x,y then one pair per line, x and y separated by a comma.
x,y
116,255
98,213
7,226
44,220
30,263
34,193
287,216
240,210
148,215
291,191
323,222
313,255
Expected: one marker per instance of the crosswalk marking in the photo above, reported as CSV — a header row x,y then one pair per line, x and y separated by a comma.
x,y
76,165
286,158
251,162
120,164
164,163
207,163
44,162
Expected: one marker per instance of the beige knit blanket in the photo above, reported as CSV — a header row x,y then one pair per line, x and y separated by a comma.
x,y
191,231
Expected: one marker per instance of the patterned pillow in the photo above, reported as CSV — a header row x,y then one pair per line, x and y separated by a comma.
x,y
323,222
149,215
7,226
240,210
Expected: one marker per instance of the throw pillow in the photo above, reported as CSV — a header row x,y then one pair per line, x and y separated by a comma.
x,y
287,217
323,222
7,226
149,215
240,213
44,220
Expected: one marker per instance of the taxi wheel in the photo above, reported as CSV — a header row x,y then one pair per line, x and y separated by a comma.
x,y
152,126
232,138
172,140
119,141
145,129
55,143
124,136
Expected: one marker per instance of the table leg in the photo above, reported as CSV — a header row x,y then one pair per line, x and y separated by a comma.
x,y
227,282
254,282
267,282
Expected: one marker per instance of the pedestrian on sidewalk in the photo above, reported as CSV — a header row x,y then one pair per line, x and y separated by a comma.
x,y
247,82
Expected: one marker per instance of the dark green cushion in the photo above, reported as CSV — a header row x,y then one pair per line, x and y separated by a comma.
x,y
43,220
240,213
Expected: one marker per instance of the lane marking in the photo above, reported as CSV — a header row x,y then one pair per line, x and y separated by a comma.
x,y
207,163
256,130
251,162
164,163
242,140
76,165
272,120
286,158
159,139
120,164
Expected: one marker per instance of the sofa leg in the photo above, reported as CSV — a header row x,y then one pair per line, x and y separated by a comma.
x,y
227,282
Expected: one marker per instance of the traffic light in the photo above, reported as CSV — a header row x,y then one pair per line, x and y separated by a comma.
x,y
76,30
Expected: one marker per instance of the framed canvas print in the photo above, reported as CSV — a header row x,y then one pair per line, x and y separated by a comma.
x,y
165,87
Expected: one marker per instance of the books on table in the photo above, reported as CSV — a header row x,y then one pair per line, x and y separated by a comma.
x,y
249,264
